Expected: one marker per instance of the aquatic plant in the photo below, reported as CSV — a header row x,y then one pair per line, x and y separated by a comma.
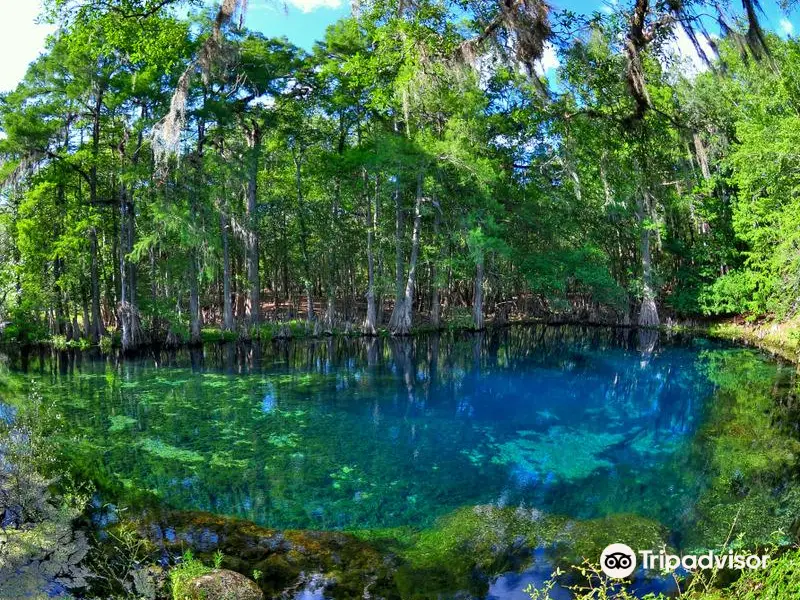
x,y
120,423
560,452
466,547
167,452
748,437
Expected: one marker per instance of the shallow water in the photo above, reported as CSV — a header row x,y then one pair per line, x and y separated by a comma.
x,y
364,434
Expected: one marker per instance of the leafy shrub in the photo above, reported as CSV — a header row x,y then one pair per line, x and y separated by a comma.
x,y
106,344
460,318
213,335
59,342
734,293
188,569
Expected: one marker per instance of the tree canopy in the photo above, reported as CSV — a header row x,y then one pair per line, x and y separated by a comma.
x,y
166,173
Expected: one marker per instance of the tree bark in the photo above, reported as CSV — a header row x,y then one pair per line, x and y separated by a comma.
x,y
97,322
648,314
194,252
370,327
128,314
253,306
227,305
477,295
401,321
194,301
399,258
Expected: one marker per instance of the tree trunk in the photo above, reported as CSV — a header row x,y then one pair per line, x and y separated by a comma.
x,y
128,314
87,327
253,306
194,250
436,308
227,310
303,234
377,240
477,295
401,321
370,327
97,322
399,259
648,314
194,301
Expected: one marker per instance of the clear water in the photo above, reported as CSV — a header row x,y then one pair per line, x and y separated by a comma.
x,y
353,434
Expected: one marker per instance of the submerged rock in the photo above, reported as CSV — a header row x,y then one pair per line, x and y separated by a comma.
x,y
222,584
284,561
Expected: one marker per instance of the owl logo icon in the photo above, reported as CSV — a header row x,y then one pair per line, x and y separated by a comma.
x,y
618,561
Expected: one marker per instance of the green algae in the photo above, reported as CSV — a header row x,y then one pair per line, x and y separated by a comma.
x,y
753,447
465,548
567,453
167,452
120,423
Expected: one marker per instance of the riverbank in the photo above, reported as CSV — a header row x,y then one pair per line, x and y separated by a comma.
x,y
779,338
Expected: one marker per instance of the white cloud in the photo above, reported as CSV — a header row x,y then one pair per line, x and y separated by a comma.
x,y
308,6
609,6
786,27
21,40
684,49
548,61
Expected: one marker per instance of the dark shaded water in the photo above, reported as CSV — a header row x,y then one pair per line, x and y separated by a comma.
x,y
356,434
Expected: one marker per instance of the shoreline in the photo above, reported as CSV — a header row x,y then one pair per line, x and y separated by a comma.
x,y
779,339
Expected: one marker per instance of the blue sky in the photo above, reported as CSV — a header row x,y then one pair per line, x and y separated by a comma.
x,y
302,21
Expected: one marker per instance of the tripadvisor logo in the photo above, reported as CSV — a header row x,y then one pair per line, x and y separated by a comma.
x,y
618,561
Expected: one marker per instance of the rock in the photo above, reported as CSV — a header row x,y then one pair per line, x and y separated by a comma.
x,y
284,558
222,584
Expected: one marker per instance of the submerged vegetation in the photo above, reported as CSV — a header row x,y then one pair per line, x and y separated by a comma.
x,y
432,496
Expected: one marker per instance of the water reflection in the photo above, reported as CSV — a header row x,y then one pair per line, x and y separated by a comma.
x,y
354,433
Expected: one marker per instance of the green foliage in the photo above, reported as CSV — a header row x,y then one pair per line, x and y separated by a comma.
x,y
186,570
40,544
106,344
59,342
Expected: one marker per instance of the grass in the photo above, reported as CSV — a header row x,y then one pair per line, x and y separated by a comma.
x,y
781,338
187,570
213,335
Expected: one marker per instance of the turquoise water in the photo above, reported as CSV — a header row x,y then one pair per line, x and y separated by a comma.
x,y
354,434
473,462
